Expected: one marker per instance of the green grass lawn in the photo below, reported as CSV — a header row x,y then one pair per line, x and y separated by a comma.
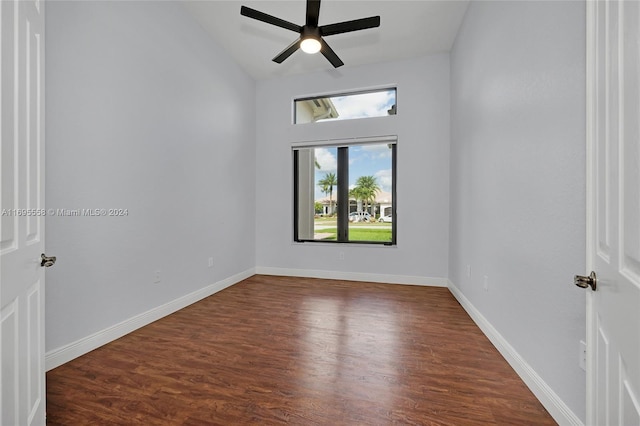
x,y
362,234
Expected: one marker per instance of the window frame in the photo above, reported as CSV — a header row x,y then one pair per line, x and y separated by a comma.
x,y
342,223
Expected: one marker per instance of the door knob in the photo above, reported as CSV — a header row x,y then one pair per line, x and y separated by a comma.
x,y
47,261
584,282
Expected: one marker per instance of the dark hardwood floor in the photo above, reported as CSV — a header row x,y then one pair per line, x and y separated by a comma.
x,y
278,350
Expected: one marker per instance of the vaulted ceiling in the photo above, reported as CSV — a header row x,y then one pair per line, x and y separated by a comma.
x,y
408,29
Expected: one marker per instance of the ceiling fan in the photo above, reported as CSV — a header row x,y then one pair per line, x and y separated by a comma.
x,y
311,35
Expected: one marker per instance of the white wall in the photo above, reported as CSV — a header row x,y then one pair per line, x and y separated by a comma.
x,y
518,180
422,127
144,112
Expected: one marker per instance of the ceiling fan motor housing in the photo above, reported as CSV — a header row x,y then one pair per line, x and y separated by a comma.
x,y
310,32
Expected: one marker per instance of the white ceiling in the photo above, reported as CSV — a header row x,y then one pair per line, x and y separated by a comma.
x,y
407,29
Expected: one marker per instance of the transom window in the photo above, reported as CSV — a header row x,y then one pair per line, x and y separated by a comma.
x,y
344,192
373,103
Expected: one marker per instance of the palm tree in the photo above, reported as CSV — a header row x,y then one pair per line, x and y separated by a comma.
x,y
366,188
357,194
325,191
327,183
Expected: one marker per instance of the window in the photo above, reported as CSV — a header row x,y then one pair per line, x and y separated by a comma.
x,y
344,192
376,103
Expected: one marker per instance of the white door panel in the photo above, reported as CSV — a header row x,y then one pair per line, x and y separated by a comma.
x,y
22,377
613,95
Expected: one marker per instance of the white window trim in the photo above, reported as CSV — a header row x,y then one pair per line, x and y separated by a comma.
x,y
345,142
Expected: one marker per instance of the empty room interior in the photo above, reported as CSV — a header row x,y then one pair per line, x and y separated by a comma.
x,y
173,118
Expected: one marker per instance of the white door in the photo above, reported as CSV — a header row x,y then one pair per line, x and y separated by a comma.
x,y
22,377
613,249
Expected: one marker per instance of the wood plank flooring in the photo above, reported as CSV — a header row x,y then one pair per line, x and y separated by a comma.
x,y
281,350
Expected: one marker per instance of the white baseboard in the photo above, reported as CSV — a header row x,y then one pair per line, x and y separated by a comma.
x,y
547,397
59,356
354,276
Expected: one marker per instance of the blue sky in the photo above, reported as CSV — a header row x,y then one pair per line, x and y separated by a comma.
x,y
364,160
363,105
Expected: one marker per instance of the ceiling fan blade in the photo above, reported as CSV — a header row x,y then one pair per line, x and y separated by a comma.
x,y
287,52
348,26
260,16
313,12
330,54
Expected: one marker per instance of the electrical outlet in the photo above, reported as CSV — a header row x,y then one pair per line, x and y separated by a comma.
x,y
485,283
468,271
582,360
156,277
211,262
341,255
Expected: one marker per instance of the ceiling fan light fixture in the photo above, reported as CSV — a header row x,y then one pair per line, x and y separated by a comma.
x,y
310,45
